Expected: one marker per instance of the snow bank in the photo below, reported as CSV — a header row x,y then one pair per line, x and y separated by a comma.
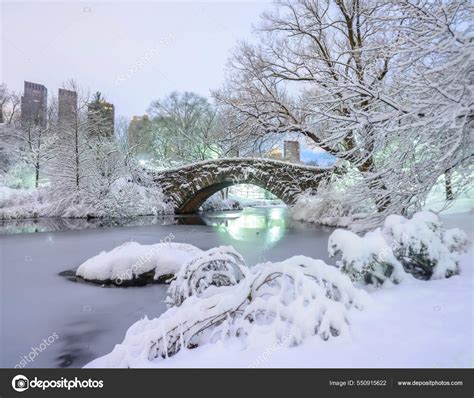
x,y
217,203
368,258
21,203
328,207
284,303
249,202
124,199
133,262
419,246
416,324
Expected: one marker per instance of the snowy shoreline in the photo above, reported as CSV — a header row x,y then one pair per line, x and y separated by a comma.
x,y
443,306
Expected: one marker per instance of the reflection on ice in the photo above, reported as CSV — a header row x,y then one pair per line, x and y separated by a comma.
x,y
251,225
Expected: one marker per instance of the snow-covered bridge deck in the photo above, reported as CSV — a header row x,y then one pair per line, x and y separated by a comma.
x,y
189,186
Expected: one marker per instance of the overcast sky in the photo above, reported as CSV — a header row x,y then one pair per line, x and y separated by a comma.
x,y
133,52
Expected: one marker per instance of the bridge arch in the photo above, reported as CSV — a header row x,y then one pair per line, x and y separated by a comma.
x,y
190,186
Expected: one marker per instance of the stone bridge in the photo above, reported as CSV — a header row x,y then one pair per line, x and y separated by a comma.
x,y
189,186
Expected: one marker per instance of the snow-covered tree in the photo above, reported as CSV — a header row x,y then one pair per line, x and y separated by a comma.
x,y
385,86
29,143
87,165
184,128
9,113
70,165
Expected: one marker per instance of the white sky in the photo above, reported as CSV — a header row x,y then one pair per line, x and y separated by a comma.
x,y
96,43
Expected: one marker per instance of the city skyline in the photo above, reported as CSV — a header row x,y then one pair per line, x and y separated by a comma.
x,y
132,63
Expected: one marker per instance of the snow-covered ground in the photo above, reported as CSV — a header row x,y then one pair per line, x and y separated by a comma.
x,y
124,199
414,324
217,203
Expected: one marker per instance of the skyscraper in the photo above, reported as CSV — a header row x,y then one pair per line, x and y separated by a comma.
x,y
34,103
67,107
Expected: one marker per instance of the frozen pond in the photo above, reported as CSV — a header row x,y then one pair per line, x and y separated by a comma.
x,y
85,321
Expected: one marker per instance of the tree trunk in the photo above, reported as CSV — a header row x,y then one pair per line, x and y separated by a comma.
x,y
448,185
37,170
77,158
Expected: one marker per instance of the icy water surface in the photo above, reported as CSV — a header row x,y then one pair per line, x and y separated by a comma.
x,y
85,321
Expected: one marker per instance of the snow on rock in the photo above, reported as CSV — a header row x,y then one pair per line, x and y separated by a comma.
x,y
285,303
133,262
419,246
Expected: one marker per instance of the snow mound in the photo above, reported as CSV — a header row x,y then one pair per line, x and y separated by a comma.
x,y
419,246
329,207
132,262
284,302
368,258
423,246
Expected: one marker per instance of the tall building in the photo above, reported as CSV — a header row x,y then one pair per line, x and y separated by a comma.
x,y
67,107
34,103
100,117
291,151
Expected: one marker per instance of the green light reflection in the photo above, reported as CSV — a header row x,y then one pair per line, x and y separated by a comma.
x,y
256,226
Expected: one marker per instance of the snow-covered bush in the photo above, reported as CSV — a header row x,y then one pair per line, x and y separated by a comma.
x,y
331,205
125,198
286,301
134,264
217,203
455,240
423,246
368,258
220,266
419,246
21,203
128,199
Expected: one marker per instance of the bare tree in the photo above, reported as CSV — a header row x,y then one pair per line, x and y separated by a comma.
x,y
29,143
381,85
184,127
9,117
70,164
